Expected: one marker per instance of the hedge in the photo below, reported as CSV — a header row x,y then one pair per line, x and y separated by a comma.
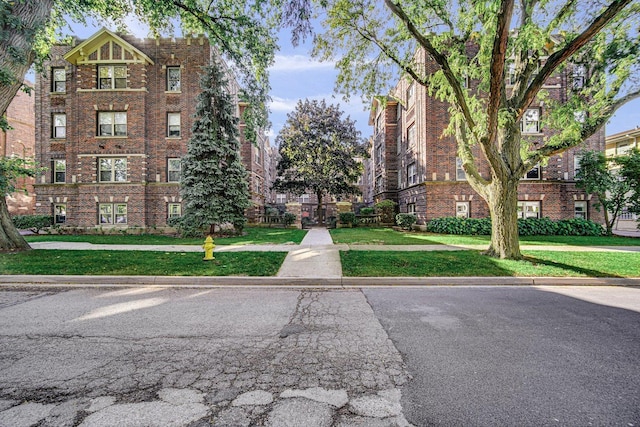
x,y
526,227
34,223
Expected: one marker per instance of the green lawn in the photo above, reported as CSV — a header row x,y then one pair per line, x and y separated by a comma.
x,y
253,236
138,263
388,236
473,263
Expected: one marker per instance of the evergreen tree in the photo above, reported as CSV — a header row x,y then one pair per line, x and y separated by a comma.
x,y
214,181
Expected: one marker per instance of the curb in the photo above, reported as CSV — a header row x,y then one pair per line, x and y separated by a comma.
x,y
320,282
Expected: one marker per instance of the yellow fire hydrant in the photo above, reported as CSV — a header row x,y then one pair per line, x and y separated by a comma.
x,y
208,249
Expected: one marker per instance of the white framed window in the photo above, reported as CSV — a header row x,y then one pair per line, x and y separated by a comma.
x,y
534,173
411,208
411,94
112,213
577,158
527,209
531,121
462,209
304,198
112,169
623,148
112,123
174,210
173,79
112,77
511,73
281,198
256,155
59,171
412,175
379,183
578,76
580,209
174,170
173,125
379,154
461,175
59,122
58,80
59,213
580,116
411,136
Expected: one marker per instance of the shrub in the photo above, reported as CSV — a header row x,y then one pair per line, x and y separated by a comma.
x,y
367,211
348,218
526,227
289,218
387,210
455,225
34,223
406,220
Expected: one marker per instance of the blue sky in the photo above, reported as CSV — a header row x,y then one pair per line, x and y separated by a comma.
x,y
296,76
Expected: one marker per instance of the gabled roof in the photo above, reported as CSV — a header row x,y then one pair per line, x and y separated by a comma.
x,y
103,47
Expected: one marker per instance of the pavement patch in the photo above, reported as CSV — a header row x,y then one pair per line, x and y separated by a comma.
x,y
336,398
146,414
25,415
385,404
177,396
296,412
256,397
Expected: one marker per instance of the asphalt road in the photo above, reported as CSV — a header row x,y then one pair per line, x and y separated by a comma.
x,y
152,356
516,356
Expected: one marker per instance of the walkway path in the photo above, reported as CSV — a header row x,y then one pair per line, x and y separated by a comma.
x,y
316,257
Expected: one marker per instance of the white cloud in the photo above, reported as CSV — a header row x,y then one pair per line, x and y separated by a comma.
x,y
297,63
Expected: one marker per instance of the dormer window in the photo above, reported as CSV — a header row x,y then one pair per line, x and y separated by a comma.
x,y
112,77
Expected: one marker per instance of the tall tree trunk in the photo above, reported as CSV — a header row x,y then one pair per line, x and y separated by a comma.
x,y
503,206
320,216
16,47
10,238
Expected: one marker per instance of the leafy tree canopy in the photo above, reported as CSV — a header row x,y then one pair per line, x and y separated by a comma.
x,y
596,176
508,50
319,152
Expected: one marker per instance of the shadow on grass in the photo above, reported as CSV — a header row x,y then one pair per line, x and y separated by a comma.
x,y
580,270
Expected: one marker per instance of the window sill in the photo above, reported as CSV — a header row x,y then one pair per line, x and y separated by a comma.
x,y
173,92
532,133
111,137
173,138
128,89
58,139
57,93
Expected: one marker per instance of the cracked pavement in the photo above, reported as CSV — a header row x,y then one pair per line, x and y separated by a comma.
x,y
187,357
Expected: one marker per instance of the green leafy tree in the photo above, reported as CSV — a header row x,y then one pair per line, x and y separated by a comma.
x,y
214,181
527,41
319,152
12,168
612,190
242,31
631,173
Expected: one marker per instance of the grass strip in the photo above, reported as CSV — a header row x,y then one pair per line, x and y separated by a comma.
x,y
139,263
473,263
252,236
389,236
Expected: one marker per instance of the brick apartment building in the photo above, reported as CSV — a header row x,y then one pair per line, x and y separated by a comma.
x,y
416,166
114,115
20,142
